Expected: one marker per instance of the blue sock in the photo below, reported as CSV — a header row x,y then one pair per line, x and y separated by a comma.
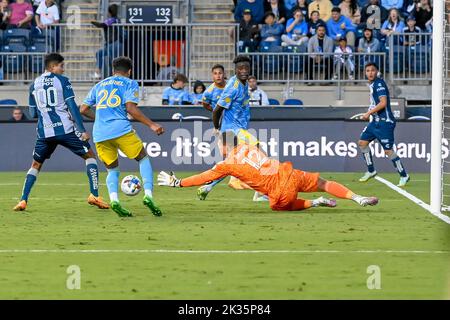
x,y
398,164
145,168
367,156
29,182
112,182
92,173
216,182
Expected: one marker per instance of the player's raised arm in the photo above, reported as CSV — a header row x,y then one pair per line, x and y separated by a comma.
x,y
137,115
88,102
170,180
379,107
69,98
32,103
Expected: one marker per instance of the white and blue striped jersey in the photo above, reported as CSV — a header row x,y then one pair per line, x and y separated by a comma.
x,y
378,88
49,95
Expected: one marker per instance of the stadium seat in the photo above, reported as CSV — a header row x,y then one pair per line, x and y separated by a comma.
x,y
13,63
295,62
293,102
8,102
20,36
272,63
419,59
274,102
36,62
399,58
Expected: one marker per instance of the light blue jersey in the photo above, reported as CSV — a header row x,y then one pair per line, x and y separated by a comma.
x,y
175,97
110,97
49,94
235,99
212,95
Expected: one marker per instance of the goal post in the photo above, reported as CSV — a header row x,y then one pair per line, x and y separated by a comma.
x,y
439,73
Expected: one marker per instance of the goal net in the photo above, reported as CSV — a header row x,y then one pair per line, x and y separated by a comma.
x,y
446,109
440,112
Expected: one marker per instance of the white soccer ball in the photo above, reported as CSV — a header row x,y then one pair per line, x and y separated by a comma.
x,y
131,185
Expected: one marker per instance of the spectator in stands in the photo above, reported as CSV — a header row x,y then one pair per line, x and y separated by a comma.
x,y
175,94
255,6
320,49
277,8
343,58
393,25
257,96
112,47
303,6
423,14
5,13
362,3
323,6
46,14
411,38
271,31
297,30
248,33
368,43
17,115
351,10
369,15
314,22
392,4
196,96
21,14
290,4
340,26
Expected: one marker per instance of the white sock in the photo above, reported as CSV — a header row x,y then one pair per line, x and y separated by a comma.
x,y
113,197
315,203
149,193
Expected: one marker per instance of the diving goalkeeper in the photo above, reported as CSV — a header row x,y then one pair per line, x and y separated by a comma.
x,y
278,180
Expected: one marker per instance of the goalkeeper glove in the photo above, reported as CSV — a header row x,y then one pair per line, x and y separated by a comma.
x,y
169,180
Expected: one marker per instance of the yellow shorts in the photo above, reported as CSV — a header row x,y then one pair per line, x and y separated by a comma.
x,y
245,137
130,144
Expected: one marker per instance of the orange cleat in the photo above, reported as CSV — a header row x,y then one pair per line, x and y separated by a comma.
x,y
21,206
97,201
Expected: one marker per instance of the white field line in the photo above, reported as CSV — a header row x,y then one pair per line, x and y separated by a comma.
x,y
9,251
414,199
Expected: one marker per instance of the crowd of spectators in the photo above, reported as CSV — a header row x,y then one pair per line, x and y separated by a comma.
x,y
35,16
364,25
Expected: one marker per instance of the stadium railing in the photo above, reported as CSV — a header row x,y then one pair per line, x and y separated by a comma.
x,y
159,51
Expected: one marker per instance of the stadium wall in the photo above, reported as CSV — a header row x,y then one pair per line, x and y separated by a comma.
x,y
310,145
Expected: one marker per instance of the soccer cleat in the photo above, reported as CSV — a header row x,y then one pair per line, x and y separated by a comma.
x,y
325,202
121,211
367,176
203,191
148,202
21,206
97,201
366,201
403,181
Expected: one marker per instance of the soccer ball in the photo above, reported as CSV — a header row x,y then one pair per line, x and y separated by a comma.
x,y
131,185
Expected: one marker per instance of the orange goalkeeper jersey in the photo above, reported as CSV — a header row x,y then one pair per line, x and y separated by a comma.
x,y
250,165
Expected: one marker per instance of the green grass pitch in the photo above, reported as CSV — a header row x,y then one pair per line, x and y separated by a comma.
x,y
319,253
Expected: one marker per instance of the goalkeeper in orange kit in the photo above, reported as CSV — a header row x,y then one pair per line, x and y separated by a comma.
x,y
278,180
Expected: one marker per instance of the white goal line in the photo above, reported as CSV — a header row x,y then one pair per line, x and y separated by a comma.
x,y
179,251
414,199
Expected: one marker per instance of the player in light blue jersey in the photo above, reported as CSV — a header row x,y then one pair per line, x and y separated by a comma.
x,y
114,98
52,101
213,93
209,101
175,94
381,127
232,113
